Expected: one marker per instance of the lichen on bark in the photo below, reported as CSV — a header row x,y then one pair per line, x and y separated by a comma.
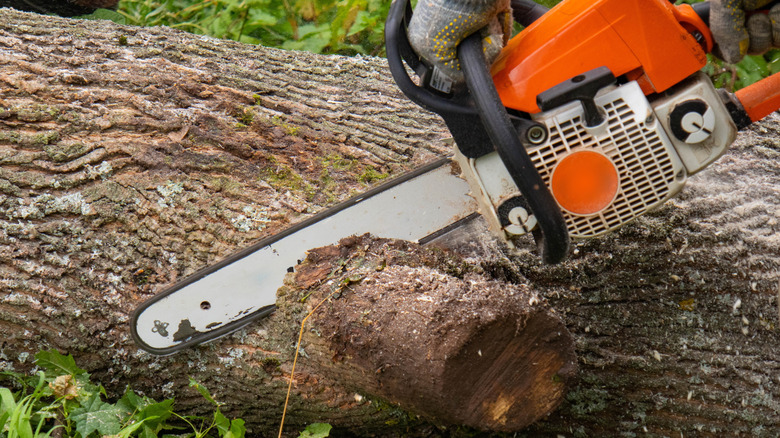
x,y
128,166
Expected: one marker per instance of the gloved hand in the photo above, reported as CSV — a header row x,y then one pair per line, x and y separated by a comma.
x,y
736,34
438,26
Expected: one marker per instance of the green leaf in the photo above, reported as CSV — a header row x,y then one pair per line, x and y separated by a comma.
x,y
147,432
129,430
228,429
773,58
4,419
316,430
203,391
159,412
96,415
222,423
145,409
363,21
260,17
105,14
751,70
7,401
56,364
131,401
237,429
19,421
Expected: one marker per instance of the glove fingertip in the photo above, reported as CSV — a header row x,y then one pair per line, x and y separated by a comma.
x,y
774,17
759,27
731,53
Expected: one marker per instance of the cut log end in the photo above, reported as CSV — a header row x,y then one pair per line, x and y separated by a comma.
x,y
505,378
428,332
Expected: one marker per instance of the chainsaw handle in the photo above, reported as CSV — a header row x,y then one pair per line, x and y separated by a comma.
x,y
554,239
761,98
399,50
463,112
526,12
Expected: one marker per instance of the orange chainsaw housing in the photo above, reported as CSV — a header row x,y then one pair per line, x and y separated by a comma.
x,y
649,41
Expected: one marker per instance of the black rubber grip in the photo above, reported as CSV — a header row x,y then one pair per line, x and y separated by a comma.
x,y
526,12
554,241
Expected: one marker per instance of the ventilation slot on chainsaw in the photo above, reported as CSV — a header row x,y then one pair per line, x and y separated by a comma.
x,y
637,150
631,144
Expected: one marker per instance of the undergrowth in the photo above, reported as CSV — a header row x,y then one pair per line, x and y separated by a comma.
x,y
62,401
345,27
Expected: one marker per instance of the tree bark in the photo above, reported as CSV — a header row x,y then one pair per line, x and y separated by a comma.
x,y
133,157
423,329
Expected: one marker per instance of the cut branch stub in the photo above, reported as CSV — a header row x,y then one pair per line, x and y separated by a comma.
x,y
427,331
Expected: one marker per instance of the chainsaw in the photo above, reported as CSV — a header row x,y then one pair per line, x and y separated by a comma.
x,y
594,114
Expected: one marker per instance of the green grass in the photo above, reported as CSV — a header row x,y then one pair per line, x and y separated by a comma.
x,y
61,400
345,27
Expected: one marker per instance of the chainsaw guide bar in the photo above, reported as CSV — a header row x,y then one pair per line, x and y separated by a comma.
x,y
224,297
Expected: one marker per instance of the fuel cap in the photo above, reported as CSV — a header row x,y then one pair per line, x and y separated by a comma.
x,y
584,182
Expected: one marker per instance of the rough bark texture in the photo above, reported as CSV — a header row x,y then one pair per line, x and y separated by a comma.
x,y
132,157
427,331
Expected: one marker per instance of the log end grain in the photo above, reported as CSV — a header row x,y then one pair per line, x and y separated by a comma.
x,y
505,379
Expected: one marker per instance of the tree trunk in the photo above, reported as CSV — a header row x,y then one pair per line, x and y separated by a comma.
x,y
425,330
133,157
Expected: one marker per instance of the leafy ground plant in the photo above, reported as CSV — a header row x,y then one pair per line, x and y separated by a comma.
x,y
345,27
62,401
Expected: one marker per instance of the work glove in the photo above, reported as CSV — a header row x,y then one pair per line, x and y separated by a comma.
x,y
737,34
438,26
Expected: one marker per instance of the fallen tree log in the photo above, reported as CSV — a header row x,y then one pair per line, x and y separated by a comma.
x,y
426,331
132,157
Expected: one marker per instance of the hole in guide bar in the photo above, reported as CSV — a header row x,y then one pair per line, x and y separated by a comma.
x,y
205,305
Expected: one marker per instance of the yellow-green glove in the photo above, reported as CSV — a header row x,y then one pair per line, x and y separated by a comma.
x,y
736,34
438,26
